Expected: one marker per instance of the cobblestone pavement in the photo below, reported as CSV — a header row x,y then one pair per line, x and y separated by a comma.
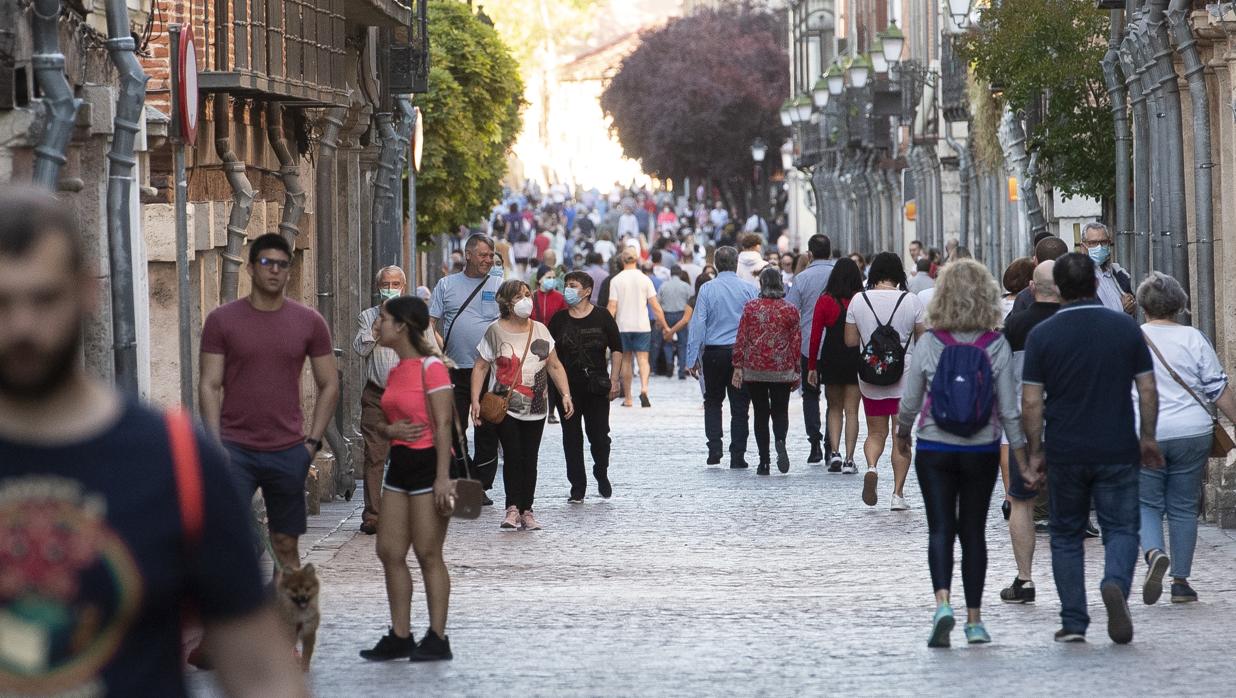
x,y
699,580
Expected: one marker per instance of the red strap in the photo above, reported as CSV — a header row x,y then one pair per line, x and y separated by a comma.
x,y
188,471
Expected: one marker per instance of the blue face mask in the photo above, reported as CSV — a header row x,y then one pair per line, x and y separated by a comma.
x,y
496,270
547,284
1099,254
572,295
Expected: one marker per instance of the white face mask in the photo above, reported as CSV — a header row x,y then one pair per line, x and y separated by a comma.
x,y
523,308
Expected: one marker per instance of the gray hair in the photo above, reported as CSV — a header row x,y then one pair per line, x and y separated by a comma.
x,y
725,259
1095,225
392,269
1161,296
771,284
477,239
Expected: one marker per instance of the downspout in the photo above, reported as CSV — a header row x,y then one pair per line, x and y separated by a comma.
x,y
1186,46
407,122
48,63
963,175
324,220
382,250
1016,150
1155,153
289,173
937,191
1178,235
120,163
1141,164
242,200
1120,122
883,237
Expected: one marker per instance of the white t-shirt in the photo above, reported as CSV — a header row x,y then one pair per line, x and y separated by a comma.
x,y
909,314
605,248
631,289
527,382
1194,360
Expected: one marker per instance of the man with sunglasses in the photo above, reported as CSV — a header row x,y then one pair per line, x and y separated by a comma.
x,y
253,352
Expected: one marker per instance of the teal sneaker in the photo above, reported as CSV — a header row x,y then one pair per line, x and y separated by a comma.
x,y
976,634
941,626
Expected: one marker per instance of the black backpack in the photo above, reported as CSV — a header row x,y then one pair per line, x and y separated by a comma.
x,y
883,358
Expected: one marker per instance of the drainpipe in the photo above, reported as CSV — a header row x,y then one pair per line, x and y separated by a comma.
x,y
403,138
1186,46
289,173
1021,161
48,64
937,204
120,163
884,221
324,197
1140,253
383,250
1120,121
1178,223
242,200
963,175
1156,153
894,211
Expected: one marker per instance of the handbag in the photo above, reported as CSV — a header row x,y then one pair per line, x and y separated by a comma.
x,y
494,406
1221,442
467,494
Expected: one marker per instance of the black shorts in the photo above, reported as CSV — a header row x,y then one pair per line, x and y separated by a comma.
x,y
281,477
411,470
1019,489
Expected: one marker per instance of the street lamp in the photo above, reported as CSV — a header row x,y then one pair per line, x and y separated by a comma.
x,y
878,62
820,93
802,107
787,112
858,71
836,79
758,149
959,11
892,42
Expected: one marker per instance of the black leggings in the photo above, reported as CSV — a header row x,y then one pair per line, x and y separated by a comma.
x,y
521,445
769,400
957,493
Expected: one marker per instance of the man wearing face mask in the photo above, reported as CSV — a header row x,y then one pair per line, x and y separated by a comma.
x,y
581,336
1115,286
379,361
461,307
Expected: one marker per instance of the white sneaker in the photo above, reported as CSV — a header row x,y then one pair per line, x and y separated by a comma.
x,y
849,468
899,504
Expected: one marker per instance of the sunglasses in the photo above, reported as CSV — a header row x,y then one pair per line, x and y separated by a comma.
x,y
277,264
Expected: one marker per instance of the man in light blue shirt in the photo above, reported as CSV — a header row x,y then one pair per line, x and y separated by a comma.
x,y
808,285
710,347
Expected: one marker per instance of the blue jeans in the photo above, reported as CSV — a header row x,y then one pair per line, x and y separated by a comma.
x,y
811,406
1071,488
671,348
1173,490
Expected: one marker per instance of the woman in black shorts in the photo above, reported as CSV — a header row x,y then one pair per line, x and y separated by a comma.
x,y
416,495
834,365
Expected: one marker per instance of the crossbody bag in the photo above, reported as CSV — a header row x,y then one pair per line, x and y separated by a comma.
x,y
493,405
1221,443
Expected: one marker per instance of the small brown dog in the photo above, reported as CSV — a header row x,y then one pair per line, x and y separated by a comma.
x,y
298,606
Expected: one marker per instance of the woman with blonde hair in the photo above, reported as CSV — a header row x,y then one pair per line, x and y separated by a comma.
x,y
960,388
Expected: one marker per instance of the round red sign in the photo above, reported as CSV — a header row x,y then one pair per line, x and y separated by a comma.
x,y
188,96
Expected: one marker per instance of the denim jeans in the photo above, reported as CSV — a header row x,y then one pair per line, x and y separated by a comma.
x,y
1173,490
718,364
811,406
1071,488
671,348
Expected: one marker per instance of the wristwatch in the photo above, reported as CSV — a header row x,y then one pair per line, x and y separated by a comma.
x,y
315,443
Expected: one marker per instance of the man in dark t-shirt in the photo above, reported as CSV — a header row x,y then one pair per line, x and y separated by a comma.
x,y
1086,358
253,352
99,555
581,334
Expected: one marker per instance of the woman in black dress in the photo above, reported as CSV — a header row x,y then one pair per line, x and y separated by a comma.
x,y
834,365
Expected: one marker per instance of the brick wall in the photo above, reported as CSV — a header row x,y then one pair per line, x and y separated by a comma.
x,y
197,13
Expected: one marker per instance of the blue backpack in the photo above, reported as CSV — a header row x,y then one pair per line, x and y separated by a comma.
x,y
963,394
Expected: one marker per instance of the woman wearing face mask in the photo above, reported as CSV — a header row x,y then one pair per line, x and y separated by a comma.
x,y
521,353
581,336
546,303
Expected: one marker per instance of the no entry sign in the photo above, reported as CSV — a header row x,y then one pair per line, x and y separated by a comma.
x,y
186,88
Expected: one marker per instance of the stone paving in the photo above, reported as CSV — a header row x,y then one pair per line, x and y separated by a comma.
x,y
699,580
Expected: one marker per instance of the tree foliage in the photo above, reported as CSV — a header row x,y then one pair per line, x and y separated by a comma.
x,y
1051,50
472,116
695,94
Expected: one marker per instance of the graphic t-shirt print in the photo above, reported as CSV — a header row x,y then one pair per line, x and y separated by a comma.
x,y
69,586
526,381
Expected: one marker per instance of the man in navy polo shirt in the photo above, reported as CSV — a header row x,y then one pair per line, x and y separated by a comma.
x,y
1092,450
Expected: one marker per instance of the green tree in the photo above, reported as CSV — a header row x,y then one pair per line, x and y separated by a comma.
x,y
1046,57
472,117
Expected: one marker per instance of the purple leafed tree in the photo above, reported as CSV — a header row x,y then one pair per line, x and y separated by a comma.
x,y
695,94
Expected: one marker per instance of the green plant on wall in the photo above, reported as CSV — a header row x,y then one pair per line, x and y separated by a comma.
x,y
1051,50
472,117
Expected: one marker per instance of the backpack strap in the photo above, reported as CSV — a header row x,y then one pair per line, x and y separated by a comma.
x,y
946,338
186,462
986,339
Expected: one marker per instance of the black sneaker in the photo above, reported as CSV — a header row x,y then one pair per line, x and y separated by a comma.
x,y
1042,526
714,458
644,401
432,648
1152,588
817,453
1063,635
391,646
1020,591
834,463
783,458
1092,531
486,501
1119,622
575,498
1183,593
604,487
738,463
1006,508
761,469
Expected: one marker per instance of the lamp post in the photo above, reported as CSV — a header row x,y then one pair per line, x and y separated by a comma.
x,y
959,11
759,150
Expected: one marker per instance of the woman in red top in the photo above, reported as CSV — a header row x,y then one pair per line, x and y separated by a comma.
x,y
834,364
766,360
416,495
547,300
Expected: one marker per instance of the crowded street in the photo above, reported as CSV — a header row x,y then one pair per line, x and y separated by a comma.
x,y
692,578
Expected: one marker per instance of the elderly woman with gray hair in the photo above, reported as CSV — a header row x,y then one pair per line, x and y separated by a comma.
x,y
766,359
1191,384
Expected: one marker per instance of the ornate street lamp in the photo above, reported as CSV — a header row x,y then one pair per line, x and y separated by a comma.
x,y
802,105
836,79
892,42
959,11
858,71
787,113
820,93
878,62
758,149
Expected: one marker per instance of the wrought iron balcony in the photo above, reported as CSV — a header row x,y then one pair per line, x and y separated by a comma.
x,y
953,98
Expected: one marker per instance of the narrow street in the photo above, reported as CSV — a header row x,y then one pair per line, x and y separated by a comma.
x,y
693,578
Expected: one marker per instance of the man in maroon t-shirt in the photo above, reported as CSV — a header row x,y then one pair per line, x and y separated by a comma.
x,y
253,351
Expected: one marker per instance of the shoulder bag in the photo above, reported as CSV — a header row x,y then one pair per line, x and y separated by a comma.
x,y
1221,443
493,405
447,339
467,494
